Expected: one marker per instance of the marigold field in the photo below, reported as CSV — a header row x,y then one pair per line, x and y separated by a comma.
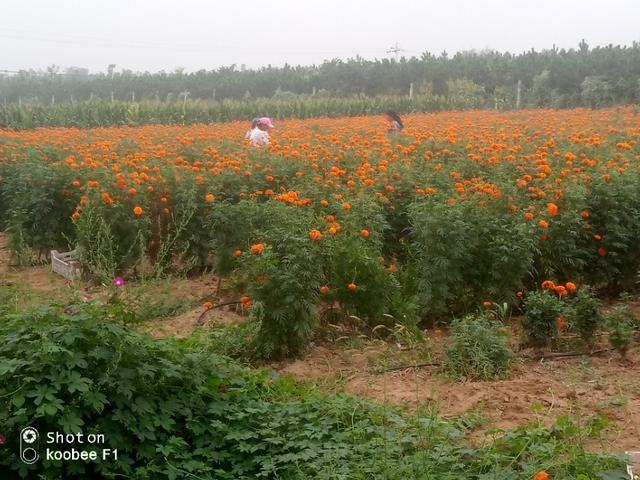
x,y
336,217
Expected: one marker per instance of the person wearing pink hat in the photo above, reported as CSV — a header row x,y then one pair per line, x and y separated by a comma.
x,y
260,134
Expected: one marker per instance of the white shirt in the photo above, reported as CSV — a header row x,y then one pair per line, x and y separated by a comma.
x,y
259,137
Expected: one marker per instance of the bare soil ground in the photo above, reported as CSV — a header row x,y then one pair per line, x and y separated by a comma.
x,y
40,281
537,390
31,285
183,325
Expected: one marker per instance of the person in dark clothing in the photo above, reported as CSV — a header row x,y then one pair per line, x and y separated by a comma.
x,y
395,122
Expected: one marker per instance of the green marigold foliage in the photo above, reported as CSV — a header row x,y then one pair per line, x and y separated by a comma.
x,y
463,254
619,322
584,315
541,309
477,350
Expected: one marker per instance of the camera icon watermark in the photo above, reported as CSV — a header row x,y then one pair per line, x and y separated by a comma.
x,y
29,445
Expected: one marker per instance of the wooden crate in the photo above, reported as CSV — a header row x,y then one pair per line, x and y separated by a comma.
x,y
66,264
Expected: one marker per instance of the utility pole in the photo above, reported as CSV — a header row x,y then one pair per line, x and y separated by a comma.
x,y
396,50
518,95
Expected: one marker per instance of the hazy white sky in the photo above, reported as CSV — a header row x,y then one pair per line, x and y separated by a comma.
x,y
198,34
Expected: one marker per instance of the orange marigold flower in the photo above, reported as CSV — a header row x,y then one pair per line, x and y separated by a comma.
x,y
75,215
597,237
548,285
352,286
237,253
207,305
487,304
542,474
364,233
528,216
257,248
552,208
315,234
324,203
324,289
106,198
519,294
332,230
346,206
560,290
543,224
209,197
584,214
561,323
246,301
602,251
571,286
137,210
131,191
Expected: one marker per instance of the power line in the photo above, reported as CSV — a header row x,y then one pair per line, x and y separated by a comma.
x,y
116,43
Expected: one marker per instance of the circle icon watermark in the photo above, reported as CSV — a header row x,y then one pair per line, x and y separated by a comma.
x,y
29,435
29,445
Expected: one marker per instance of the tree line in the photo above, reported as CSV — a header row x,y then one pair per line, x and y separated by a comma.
x,y
558,78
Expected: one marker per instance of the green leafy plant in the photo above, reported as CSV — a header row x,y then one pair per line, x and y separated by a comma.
x,y
110,241
172,410
584,314
478,350
461,259
284,273
619,323
541,309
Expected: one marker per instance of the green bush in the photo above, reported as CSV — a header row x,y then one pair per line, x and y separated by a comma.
x,y
614,205
283,270
35,204
110,240
584,315
619,323
463,258
478,350
539,321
